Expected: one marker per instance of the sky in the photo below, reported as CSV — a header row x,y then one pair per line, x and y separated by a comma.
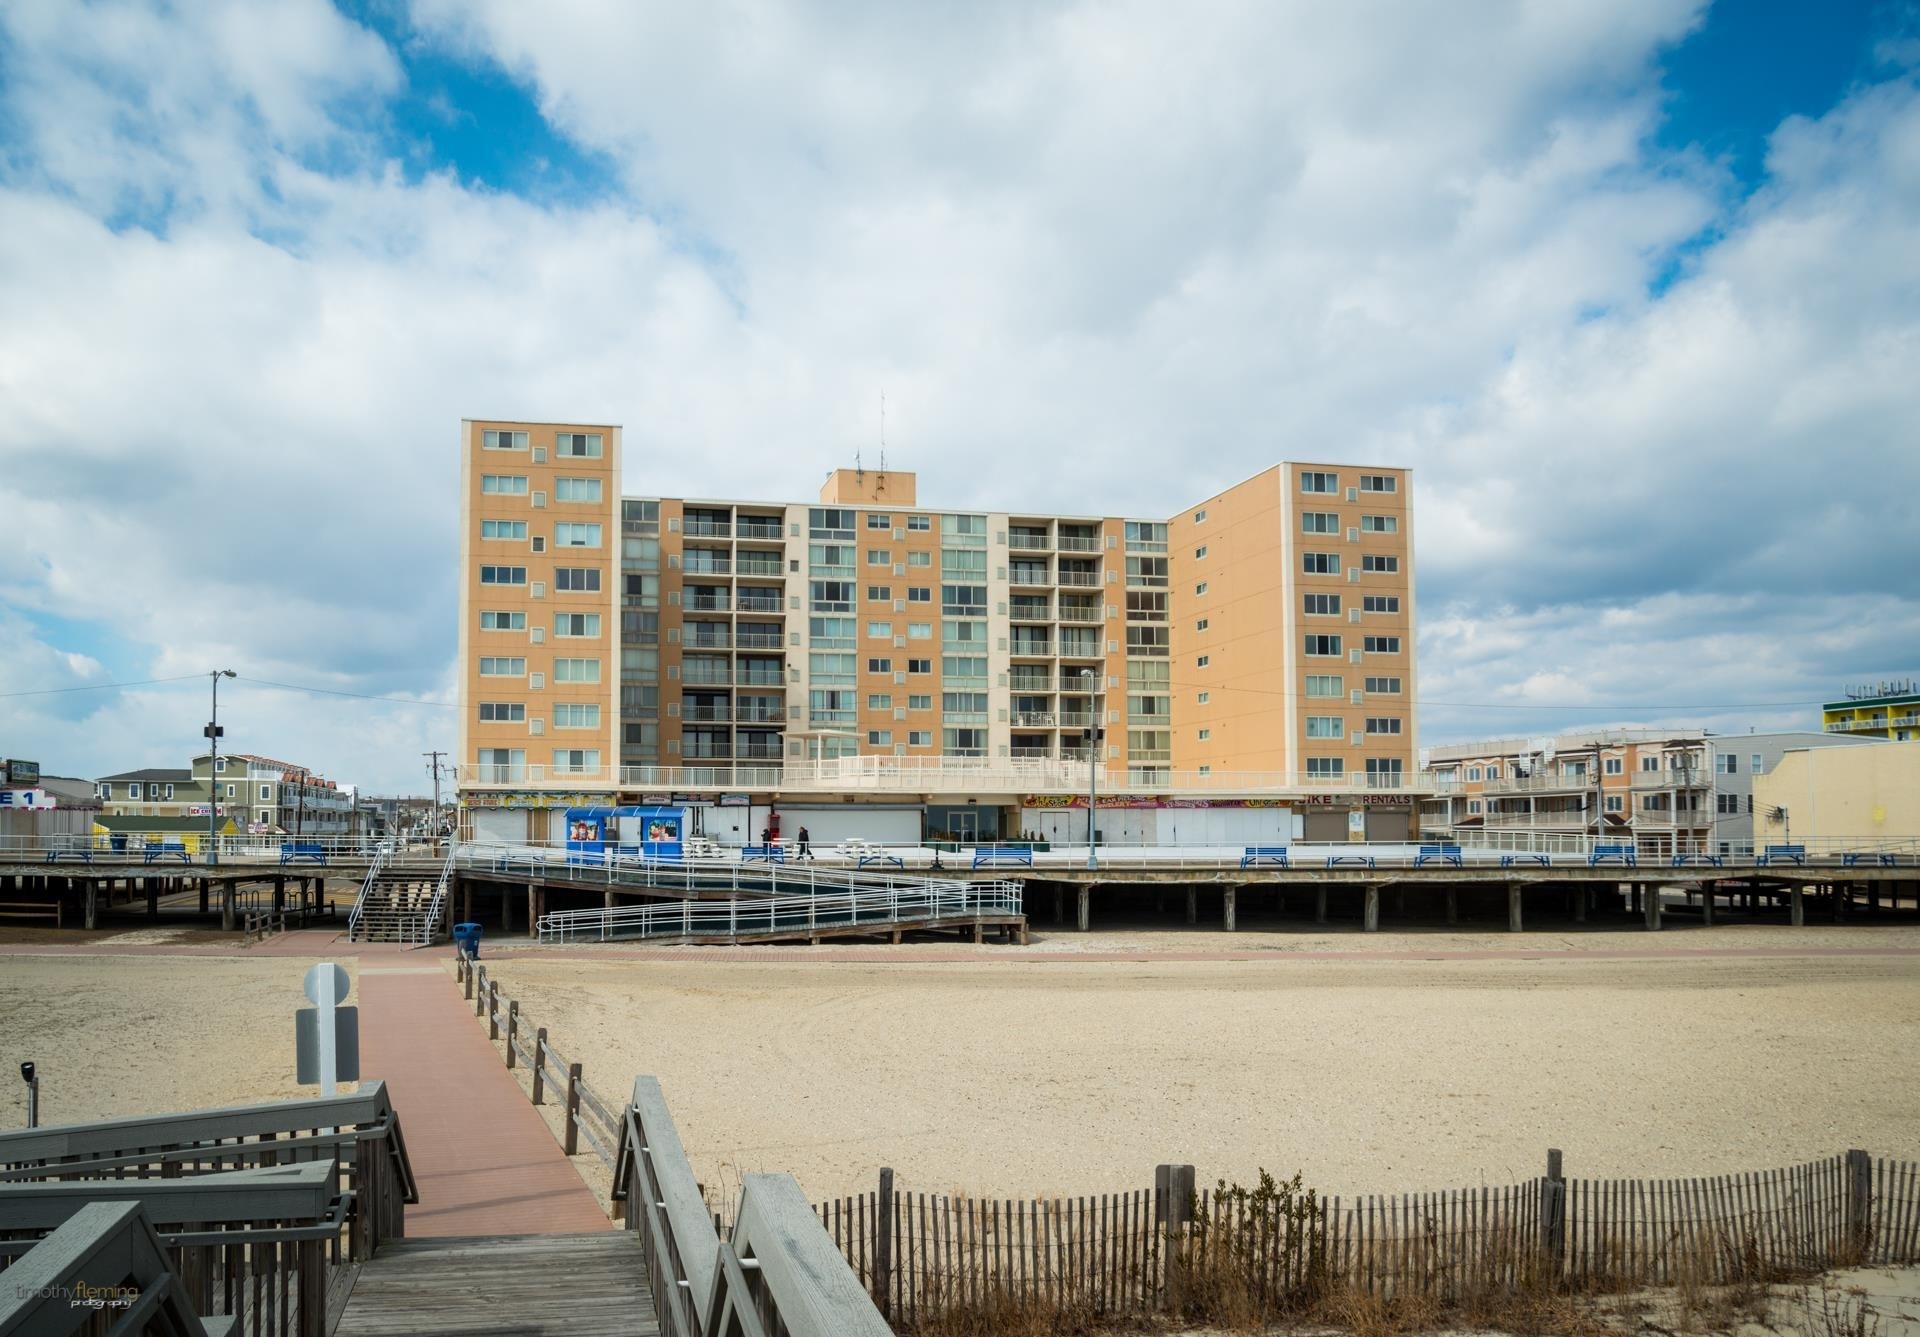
x,y
1633,288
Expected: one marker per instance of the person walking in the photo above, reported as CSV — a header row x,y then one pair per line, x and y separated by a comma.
x,y
805,850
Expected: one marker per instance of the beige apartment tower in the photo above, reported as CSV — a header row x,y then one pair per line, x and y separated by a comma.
x,y
1256,648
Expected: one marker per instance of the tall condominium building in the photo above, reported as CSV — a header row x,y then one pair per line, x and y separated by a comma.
x,y
1257,646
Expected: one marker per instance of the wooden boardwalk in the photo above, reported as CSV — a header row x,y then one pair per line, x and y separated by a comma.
x,y
485,1160
581,1285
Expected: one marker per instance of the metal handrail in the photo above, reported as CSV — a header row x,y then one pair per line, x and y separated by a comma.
x,y
735,916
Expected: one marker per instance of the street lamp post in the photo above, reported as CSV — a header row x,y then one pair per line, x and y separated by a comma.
x,y
1093,774
213,767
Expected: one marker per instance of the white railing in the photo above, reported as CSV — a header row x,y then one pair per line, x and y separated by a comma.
x,y
830,872
438,906
735,917
366,889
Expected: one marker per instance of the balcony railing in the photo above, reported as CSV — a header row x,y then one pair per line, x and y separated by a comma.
x,y
1079,543
750,604
1033,719
1028,576
1024,611
1539,784
706,529
1031,648
1686,778
1029,542
710,566
1070,614
705,714
708,604
1083,578
752,532
748,567
757,715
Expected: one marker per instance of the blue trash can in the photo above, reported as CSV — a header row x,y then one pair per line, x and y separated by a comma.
x,y
466,939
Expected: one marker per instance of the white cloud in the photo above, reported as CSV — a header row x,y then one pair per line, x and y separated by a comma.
x,y
1123,254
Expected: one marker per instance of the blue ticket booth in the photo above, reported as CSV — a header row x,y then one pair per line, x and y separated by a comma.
x,y
651,833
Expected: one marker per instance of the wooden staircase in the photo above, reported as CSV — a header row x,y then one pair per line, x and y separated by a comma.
x,y
399,905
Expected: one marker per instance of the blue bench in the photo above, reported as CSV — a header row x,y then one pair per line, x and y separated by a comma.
x,y
1793,854
992,854
55,856
1874,859
1711,860
1259,854
166,850
1620,854
763,854
1446,854
1536,860
882,857
292,850
1360,860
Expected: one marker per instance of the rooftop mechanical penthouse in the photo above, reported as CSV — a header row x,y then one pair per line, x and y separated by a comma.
x,y
1253,649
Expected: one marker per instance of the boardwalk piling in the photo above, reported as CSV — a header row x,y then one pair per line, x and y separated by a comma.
x,y
1513,907
1371,921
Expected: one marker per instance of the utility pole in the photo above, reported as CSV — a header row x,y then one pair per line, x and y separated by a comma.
x,y
434,765
213,768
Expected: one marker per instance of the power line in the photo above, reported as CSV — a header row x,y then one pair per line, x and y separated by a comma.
x,y
99,686
358,696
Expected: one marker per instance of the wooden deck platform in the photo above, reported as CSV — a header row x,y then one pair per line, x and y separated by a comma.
x,y
580,1285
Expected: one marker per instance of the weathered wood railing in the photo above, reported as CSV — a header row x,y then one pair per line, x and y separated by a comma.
x,y
774,1274
261,1245
259,925
584,1115
360,1131
104,1262
1120,1254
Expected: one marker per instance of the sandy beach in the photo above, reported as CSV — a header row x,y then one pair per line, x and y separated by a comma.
x,y
1063,1076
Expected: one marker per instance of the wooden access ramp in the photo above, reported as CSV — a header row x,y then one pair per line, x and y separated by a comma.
x,y
580,1285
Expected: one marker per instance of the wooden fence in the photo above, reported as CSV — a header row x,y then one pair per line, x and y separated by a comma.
x,y
585,1114
1119,1254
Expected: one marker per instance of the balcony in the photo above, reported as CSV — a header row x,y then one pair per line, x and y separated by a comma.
x,y
752,567
1079,542
1663,820
754,601
1551,783
1072,613
1686,778
706,529
709,641
759,531
1029,541
1033,719
1079,578
757,640
1029,610
708,603
1029,576
1079,649
1031,647
709,566
705,714
748,714
1029,683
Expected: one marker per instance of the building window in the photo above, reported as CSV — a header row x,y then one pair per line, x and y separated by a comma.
x,y
1200,552
1323,645
1206,735
1201,588
1727,763
1379,524
1379,483
220,764
919,594
1327,605
266,792
1753,764
570,535
879,666
879,700
879,593
1202,661
504,485
1383,686
1726,803
502,712
576,715
503,575
576,760
492,440
919,631
1379,563
1325,726
920,703
492,666
576,624
576,670
576,579
1380,603
230,789
501,621
1650,763
1615,766
1616,803
1381,645
1326,768
576,489
577,445
919,666
1319,482
1319,522
879,631
1204,697
875,520
919,523
1325,684
169,792
1474,772
1473,807
830,596
1320,563
1200,517
1201,625
880,557
133,790
1383,724
503,529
